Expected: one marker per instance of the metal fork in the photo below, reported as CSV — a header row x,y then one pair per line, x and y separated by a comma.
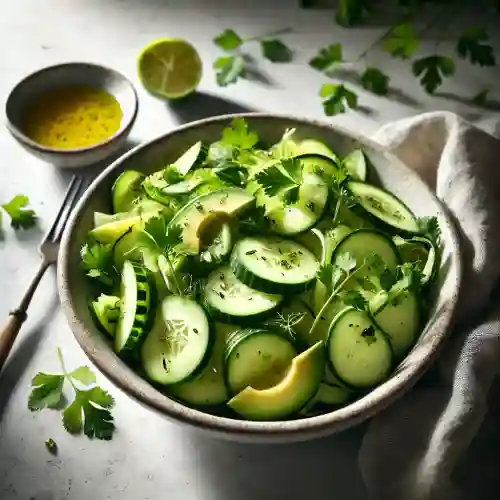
x,y
48,249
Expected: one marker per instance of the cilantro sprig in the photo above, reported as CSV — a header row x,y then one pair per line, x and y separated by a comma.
x,y
20,216
97,261
89,409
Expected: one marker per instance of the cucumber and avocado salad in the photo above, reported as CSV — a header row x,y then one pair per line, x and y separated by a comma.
x,y
264,281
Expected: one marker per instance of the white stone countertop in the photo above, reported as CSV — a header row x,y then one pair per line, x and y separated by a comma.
x,y
149,457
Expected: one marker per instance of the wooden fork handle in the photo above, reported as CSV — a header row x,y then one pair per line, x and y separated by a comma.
x,y
9,333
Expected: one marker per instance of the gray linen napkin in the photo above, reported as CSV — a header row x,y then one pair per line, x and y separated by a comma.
x,y
410,449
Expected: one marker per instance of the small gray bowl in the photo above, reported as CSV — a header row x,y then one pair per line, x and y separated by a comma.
x,y
62,75
74,288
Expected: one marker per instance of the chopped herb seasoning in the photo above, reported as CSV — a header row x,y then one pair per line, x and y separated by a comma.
x,y
221,276
251,252
199,207
285,264
51,446
221,295
311,206
195,330
369,335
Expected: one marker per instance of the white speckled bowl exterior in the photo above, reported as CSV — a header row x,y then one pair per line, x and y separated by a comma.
x,y
73,287
62,75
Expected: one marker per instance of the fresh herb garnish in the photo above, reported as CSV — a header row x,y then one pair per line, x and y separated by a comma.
x,y
375,81
287,322
51,446
327,58
20,216
401,41
229,69
472,46
432,70
228,40
97,261
89,409
352,12
337,99
238,137
275,51
429,227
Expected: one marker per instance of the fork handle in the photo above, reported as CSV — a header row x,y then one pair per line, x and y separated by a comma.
x,y
18,316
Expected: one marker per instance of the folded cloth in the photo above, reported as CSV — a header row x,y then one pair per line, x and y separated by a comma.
x,y
410,450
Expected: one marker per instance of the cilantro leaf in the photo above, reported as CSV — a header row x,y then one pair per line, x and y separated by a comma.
x,y
91,410
346,262
429,226
47,391
375,81
229,69
161,236
237,136
291,195
83,374
470,46
432,70
337,99
275,51
20,217
233,173
97,261
355,299
293,167
481,98
352,12
327,57
402,41
171,175
273,180
228,40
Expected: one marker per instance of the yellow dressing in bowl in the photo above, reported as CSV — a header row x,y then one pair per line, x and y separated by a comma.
x,y
72,117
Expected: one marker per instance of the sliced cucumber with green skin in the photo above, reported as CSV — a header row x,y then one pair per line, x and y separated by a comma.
x,y
314,147
179,344
128,247
228,299
384,206
209,388
422,251
332,395
256,357
106,309
273,265
201,211
399,320
126,189
355,165
154,186
362,243
192,157
359,353
296,388
135,303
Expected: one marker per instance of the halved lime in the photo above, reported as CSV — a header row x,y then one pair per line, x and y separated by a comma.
x,y
169,67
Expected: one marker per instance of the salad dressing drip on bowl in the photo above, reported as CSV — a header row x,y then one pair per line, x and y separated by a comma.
x,y
72,115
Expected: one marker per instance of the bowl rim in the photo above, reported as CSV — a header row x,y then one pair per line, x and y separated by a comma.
x,y
124,127
274,431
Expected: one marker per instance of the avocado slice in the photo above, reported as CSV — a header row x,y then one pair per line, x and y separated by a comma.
x,y
200,212
297,387
111,231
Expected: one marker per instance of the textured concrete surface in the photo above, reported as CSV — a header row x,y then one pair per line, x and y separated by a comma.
x,y
150,458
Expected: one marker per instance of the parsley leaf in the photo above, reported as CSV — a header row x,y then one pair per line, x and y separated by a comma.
x,y
352,12
275,51
429,227
20,217
402,41
89,410
238,137
470,47
337,99
273,180
97,261
47,391
432,70
160,236
375,81
355,299
228,40
283,178
327,57
229,69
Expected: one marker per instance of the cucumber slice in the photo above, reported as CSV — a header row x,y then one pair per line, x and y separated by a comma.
x,y
355,165
400,321
384,206
106,309
273,265
362,243
135,302
314,147
332,395
209,388
359,353
230,300
128,247
312,199
126,189
422,251
256,357
179,344
154,186
192,157
298,386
